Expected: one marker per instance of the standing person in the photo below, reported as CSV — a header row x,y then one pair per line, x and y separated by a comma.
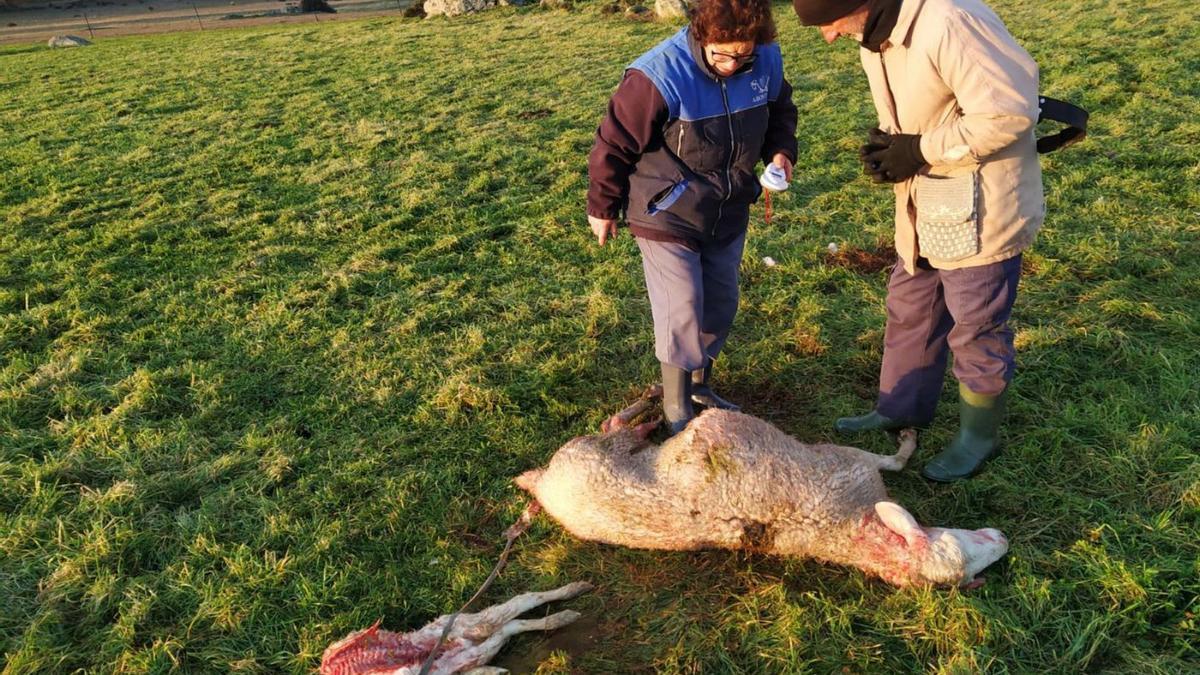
x,y
675,154
957,100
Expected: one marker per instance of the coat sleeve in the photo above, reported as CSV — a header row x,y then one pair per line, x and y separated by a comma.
x,y
781,125
995,83
636,113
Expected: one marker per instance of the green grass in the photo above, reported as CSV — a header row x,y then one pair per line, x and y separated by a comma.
x,y
283,309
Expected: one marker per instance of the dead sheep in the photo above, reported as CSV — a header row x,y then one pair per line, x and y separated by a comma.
x,y
730,480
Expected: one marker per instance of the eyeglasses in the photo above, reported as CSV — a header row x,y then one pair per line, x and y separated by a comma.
x,y
741,59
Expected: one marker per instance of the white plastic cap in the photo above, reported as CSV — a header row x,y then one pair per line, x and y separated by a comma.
x,y
774,178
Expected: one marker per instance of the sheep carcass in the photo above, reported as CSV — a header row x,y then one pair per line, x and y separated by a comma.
x,y
730,480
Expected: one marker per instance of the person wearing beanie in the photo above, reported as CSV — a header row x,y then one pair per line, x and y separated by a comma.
x,y
957,101
675,158
823,12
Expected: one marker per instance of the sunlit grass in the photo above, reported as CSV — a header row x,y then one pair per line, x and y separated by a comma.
x,y
283,309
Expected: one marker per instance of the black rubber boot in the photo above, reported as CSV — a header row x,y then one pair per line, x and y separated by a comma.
x,y
702,393
677,398
871,421
978,437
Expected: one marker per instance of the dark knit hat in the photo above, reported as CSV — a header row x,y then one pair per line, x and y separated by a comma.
x,y
821,12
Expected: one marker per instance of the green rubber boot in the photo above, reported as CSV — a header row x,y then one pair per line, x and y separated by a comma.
x,y
871,421
977,440
702,393
677,398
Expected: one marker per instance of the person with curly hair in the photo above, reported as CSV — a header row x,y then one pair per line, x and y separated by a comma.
x,y
675,157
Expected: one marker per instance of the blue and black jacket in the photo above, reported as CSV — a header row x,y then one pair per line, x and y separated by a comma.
x,y
677,151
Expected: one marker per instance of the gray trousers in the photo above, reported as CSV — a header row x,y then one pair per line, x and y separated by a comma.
x,y
934,311
693,298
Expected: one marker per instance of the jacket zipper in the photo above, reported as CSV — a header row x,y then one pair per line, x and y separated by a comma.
x,y
728,160
679,144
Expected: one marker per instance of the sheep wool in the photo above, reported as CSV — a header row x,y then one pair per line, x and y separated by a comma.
x,y
730,480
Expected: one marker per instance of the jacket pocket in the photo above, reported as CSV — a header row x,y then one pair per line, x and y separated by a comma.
x,y
947,217
663,200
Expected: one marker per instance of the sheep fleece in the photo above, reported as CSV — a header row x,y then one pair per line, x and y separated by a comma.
x,y
727,481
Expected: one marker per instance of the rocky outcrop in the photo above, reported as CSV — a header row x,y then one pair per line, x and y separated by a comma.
x,y
316,6
670,9
456,7
67,41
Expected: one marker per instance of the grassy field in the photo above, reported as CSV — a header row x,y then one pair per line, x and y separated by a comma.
x,y
282,311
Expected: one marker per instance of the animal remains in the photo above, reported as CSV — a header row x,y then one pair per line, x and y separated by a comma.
x,y
730,480
472,642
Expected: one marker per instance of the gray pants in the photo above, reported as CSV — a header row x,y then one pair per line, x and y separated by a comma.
x,y
964,311
693,298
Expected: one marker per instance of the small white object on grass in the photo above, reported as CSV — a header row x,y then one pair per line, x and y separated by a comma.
x,y
832,247
769,261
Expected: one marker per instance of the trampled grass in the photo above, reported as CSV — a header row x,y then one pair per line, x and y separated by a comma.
x,y
282,311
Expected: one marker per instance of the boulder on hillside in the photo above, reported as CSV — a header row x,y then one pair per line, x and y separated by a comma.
x,y
316,6
670,9
639,13
67,41
456,7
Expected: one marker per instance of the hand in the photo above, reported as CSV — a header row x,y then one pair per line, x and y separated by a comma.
x,y
891,158
781,160
876,140
603,228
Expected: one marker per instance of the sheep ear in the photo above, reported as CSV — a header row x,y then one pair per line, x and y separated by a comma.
x,y
900,521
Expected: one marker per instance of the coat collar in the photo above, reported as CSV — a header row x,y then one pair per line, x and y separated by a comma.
x,y
909,10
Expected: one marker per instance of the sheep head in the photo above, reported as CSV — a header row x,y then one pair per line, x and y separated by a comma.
x,y
907,553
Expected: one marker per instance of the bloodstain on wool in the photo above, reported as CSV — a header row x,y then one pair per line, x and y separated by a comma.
x,y
885,551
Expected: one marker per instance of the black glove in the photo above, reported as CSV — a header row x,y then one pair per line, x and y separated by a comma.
x,y
891,158
876,140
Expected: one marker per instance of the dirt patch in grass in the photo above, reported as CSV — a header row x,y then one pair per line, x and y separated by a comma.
x,y
863,261
535,114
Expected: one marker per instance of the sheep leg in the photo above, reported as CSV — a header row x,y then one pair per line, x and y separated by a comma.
x,y
908,445
622,419
643,431
485,622
896,462
478,655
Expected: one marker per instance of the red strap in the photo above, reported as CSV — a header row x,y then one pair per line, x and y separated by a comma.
x,y
768,214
